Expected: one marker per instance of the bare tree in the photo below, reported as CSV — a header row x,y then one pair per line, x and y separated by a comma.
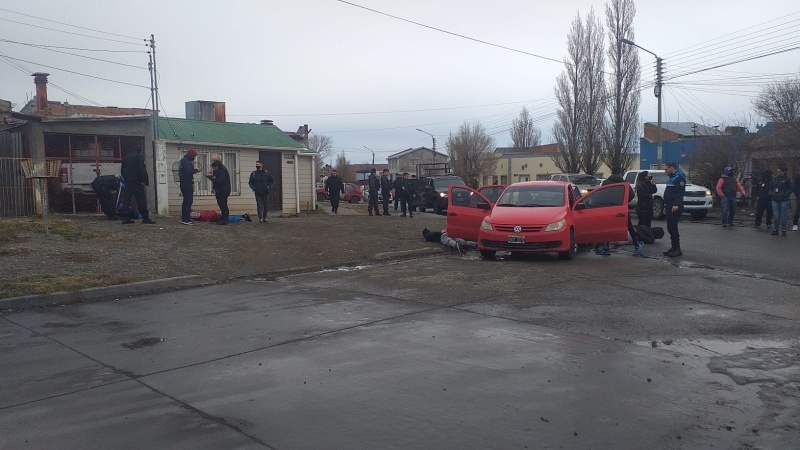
x,y
622,128
524,134
593,63
571,100
471,152
712,154
323,145
779,101
344,169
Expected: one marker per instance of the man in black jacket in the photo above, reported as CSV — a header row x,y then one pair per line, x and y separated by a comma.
x,y
221,180
405,194
374,185
673,206
186,171
333,187
261,182
134,172
105,187
781,192
763,198
386,191
398,181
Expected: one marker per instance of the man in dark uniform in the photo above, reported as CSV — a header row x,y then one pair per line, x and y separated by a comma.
x,y
105,187
405,194
134,172
374,185
398,181
761,190
386,191
221,180
673,206
334,187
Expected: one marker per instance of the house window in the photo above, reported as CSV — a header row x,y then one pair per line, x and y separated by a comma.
x,y
230,159
504,179
494,179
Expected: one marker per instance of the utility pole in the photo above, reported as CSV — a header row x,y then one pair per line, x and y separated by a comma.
x,y
154,102
373,154
434,144
657,92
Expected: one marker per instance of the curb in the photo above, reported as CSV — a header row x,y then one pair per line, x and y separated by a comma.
x,y
103,292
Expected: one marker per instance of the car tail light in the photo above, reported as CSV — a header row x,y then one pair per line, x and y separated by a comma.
x,y
63,174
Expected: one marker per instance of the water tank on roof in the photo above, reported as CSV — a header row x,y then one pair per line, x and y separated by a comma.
x,y
206,110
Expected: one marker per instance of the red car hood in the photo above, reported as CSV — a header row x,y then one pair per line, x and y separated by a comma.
x,y
541,215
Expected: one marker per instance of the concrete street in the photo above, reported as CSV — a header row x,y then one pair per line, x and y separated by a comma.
x,y
441,352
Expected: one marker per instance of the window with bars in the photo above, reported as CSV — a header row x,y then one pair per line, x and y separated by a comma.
x,y
230,159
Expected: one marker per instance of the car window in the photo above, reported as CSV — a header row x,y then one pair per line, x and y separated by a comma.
x,y
465,198
571,198
441,185
583,179
532,196
349,187
612,196
631,177
660,177
492,193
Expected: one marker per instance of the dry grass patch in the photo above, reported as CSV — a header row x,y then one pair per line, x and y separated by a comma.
x,y
47,284
11,228
13,251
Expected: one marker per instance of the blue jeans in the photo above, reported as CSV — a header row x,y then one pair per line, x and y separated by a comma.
x,y
728,210
780,213
187,191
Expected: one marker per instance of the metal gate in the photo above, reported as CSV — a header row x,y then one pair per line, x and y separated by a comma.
x,y
16,192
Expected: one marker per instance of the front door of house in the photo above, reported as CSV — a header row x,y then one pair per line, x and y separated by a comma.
x,y
272,162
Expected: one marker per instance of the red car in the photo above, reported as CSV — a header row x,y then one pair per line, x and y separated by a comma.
x,y
352,193
539,217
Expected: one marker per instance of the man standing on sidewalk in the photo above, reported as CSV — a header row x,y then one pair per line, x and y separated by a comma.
x,y
221,180
386,191
333,187
374,185
673,206
186,171
781,192
763,198
727,187
261,182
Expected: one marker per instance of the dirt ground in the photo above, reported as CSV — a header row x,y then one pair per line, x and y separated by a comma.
x,y
94,251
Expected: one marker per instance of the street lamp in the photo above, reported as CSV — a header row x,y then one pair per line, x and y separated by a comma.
x,y
434,144
373,154
657,92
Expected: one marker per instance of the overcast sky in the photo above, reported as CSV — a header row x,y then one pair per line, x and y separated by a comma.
x,y
370,80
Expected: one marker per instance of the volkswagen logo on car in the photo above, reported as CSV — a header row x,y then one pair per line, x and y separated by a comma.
x,y
517,229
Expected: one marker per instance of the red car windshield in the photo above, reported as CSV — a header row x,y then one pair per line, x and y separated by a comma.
x,y
532,196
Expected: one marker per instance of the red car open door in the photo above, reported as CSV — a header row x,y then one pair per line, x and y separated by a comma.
x,y
492,192
602,215
466,209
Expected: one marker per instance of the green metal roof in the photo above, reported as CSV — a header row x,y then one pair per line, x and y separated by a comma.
x,y
188,130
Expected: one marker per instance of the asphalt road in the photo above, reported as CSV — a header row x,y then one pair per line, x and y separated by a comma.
x,y
441,352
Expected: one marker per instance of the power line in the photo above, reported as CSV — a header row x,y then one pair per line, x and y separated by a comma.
x,y
80,56
77,73
452,33
27,71
73,48
737,61
67,24
68,32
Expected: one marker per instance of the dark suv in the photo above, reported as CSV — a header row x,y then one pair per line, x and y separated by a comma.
x,y
435,191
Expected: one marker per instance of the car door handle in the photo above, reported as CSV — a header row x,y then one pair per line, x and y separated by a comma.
x,y
452,214
620,215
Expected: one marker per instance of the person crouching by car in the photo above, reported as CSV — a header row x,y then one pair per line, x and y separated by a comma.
x,y
261,182
221,181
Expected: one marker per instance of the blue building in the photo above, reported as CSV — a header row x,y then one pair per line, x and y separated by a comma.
x,y
679,140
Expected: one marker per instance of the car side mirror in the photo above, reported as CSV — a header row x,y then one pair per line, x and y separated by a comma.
x,y
484,205
581,205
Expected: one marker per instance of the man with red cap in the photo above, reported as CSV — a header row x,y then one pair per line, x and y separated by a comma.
x,y
186,171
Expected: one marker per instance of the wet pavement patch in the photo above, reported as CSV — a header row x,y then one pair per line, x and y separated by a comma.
x,y
144,342
60,325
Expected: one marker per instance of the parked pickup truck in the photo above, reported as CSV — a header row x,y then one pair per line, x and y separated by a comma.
x,y
352,193
696,202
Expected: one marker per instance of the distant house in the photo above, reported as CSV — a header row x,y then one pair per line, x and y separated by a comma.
x,y
679,139
239,146
408,160
528,164
775,144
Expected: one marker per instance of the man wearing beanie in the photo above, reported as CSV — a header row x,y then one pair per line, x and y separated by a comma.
x,y
186,171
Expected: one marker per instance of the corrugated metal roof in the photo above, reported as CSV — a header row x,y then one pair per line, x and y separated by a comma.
x,y
688,129
187,130
410,150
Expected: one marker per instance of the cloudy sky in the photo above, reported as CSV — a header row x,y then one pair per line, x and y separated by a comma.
x,y
369,80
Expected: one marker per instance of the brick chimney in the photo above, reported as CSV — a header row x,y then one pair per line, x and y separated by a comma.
x,y
40,79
